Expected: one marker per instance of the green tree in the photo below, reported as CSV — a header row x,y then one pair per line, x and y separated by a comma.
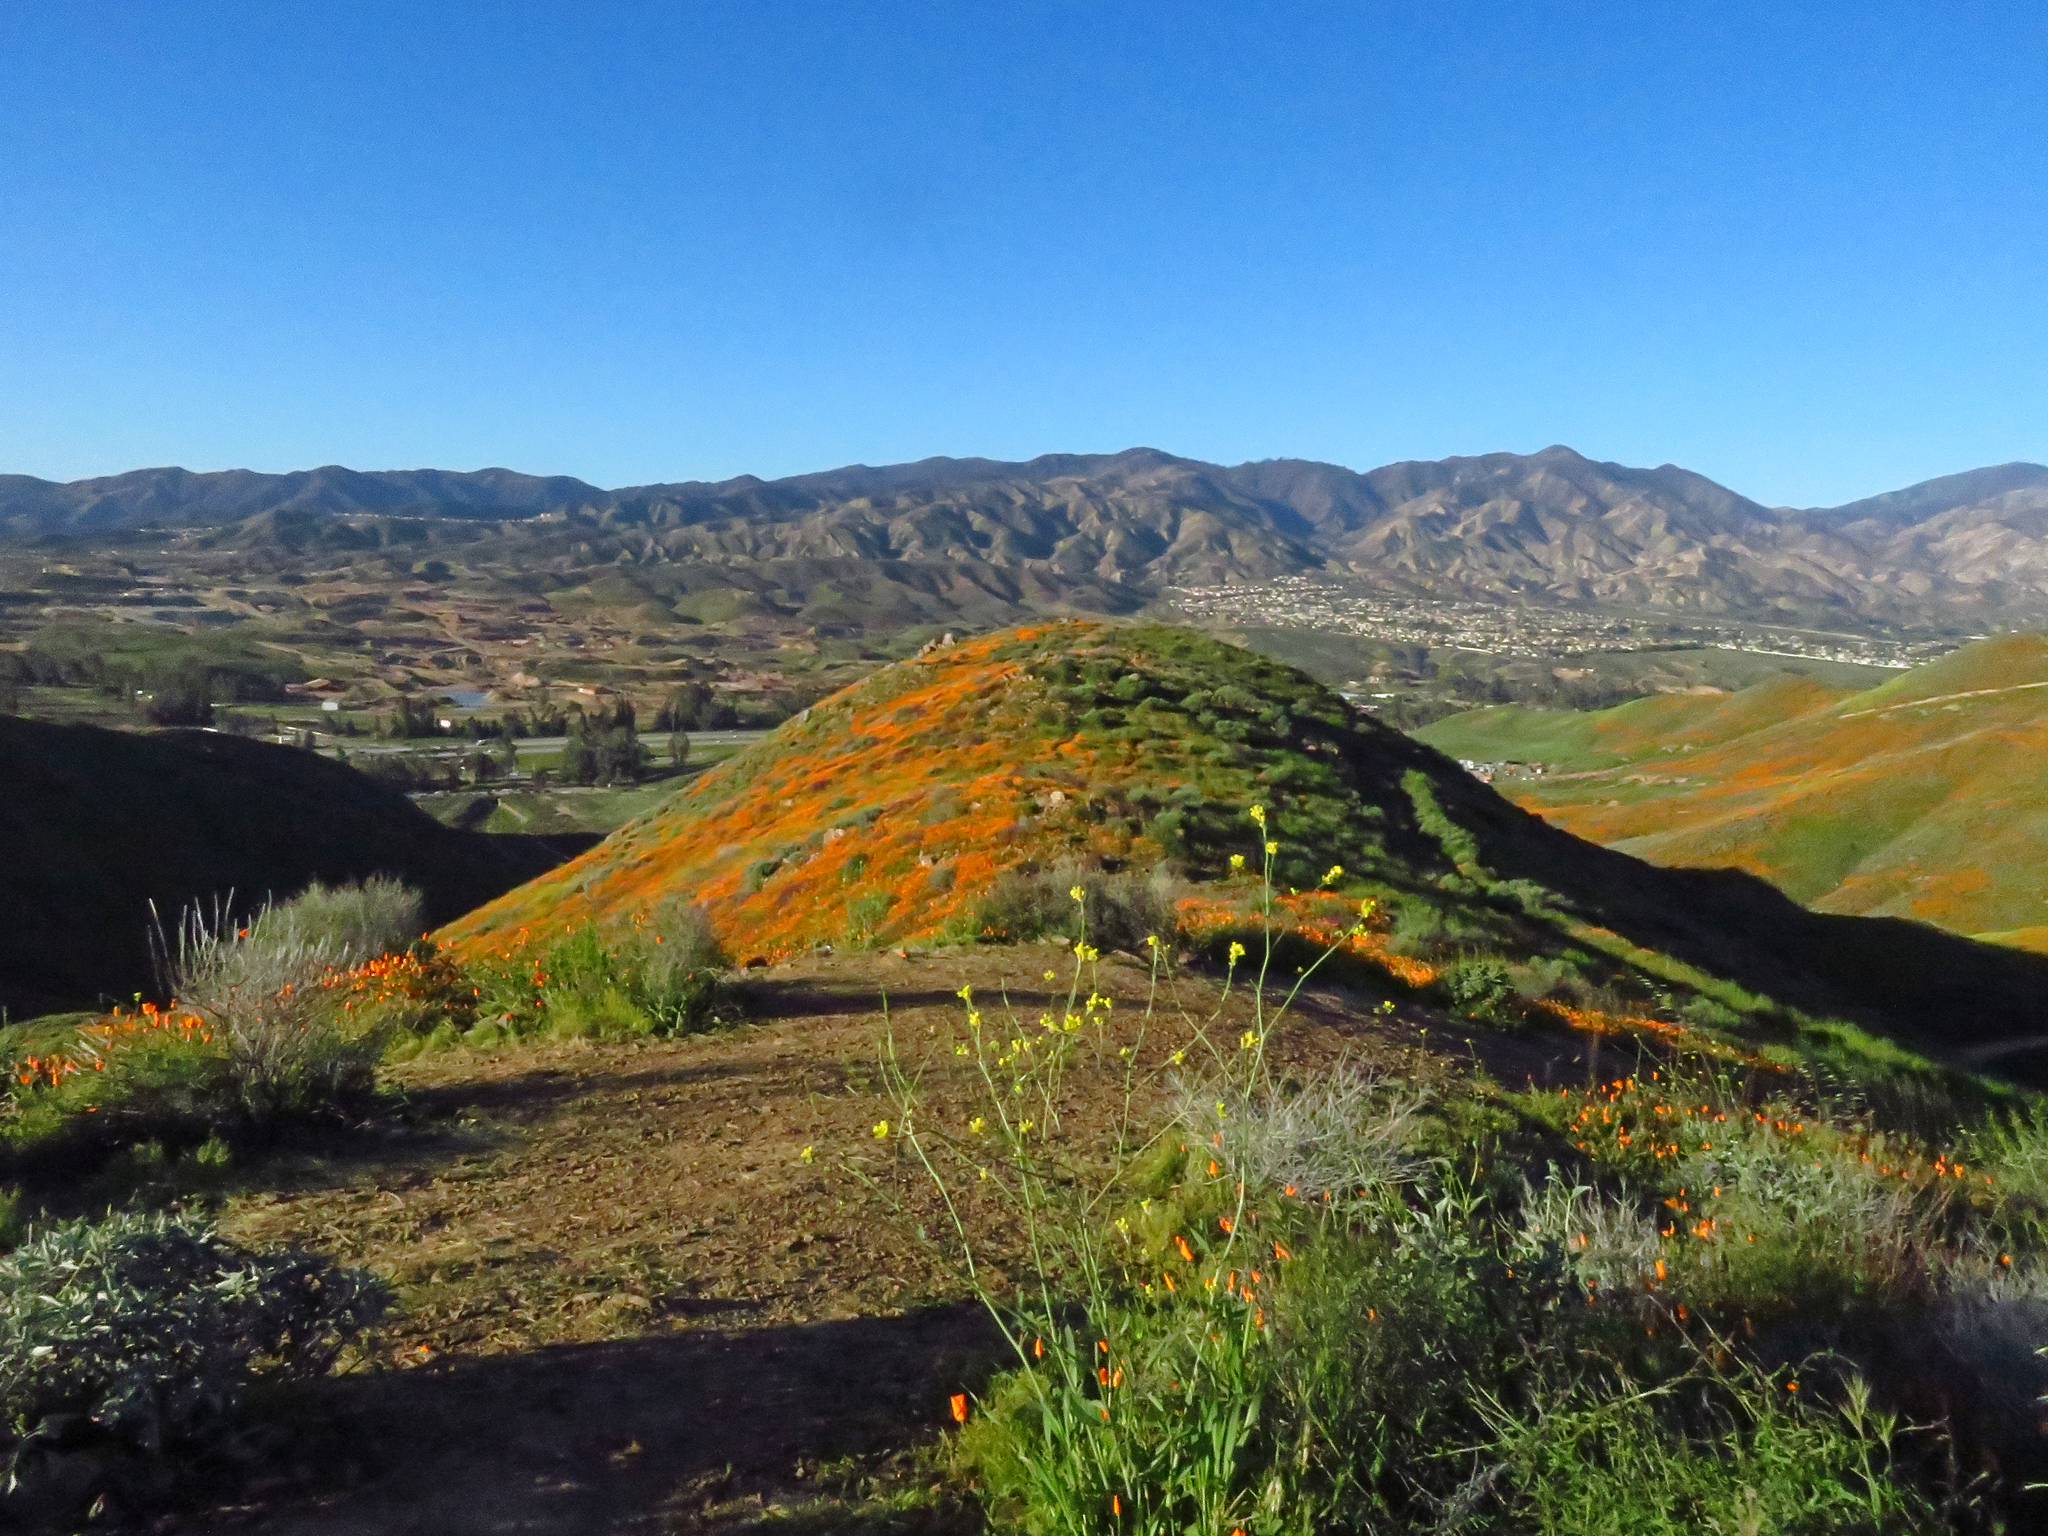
x,y
579,763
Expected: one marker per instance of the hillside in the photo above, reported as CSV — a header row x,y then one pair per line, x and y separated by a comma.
x,y
1105,532
98,824
1920,798
881,814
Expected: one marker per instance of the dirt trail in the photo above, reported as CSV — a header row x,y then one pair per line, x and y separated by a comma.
x,y
631,1306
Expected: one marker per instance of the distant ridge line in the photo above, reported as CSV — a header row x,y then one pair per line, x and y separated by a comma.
x,y
1549,527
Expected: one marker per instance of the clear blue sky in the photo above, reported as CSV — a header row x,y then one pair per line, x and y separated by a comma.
x,y
1801,249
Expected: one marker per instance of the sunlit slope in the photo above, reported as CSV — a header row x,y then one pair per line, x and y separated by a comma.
x,y
882,812
1926,797
1577,740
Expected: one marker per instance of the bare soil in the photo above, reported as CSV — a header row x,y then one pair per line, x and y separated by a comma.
x,y
628,1302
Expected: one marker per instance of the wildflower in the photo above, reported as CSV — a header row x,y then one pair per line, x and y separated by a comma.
x,y
960,1050
1335,873
808,1155
1226,1223
1247,1040
881,1129
1236,951
1024,1127
1077,893
1151,941
1280,1251
1257,814
1271,849
1178,1057
1038,1349
977,1125
959,1407
1237,861
1186,1253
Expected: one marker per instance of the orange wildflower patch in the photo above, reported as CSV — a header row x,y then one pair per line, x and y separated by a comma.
x,y
879,815
1325,920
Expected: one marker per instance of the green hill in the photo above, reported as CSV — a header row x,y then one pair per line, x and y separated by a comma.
x,y
1920,798
884,812
97,824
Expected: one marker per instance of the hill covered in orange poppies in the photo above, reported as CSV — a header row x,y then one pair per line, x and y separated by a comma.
x,y
1926,797
888,814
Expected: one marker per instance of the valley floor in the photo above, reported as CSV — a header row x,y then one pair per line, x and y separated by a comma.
x,y
631,1305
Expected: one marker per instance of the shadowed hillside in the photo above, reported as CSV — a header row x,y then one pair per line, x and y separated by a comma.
x,y
97,824
1921,798
879,815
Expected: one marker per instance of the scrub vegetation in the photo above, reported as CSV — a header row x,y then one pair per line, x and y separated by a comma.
x,y
1216,1112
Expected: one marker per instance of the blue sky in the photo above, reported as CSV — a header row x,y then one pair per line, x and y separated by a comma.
x,y
1803,250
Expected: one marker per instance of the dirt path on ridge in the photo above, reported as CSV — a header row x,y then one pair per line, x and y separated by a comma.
x,y
630,1306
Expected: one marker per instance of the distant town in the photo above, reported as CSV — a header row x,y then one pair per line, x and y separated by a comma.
x,y
1336,607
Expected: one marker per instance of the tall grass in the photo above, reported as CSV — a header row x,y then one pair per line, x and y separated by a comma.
x,y
262,992
361,921
262,1027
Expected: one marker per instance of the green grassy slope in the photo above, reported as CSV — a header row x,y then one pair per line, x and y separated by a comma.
x,y
1573,741
1923,797
97,824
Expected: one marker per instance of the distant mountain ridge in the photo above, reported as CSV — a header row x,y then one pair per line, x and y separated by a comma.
x,y
1548,527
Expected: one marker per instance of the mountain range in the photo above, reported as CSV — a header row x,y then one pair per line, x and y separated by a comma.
x,y
1552,527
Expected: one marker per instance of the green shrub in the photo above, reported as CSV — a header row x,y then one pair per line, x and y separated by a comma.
x,y
360,921
149,1331
664,976
1707,1013
273,1026
1116,911
1481,987
865,916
